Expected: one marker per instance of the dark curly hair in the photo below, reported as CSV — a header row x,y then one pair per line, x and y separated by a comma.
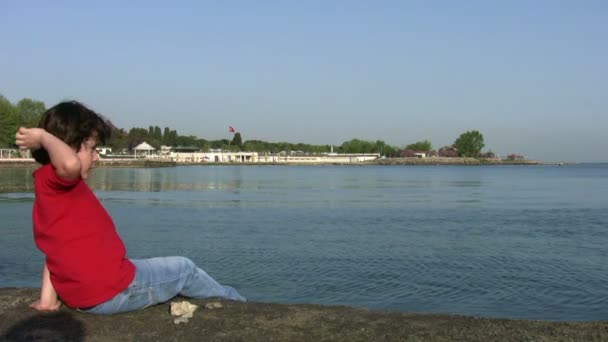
x,y
73,123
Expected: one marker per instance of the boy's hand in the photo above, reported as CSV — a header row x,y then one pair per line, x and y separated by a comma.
x,y
40,306
29,138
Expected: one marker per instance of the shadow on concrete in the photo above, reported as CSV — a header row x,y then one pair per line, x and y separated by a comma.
x,y
56,327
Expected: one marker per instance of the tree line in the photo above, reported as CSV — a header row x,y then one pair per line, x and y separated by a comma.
x,y
27,112
468,144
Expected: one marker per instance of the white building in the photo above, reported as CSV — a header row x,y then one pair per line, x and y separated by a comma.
x,y
185,155
143,149
214,157
104,150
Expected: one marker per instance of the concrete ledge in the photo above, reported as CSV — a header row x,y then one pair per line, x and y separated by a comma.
x,y
17,162
272,322
135,163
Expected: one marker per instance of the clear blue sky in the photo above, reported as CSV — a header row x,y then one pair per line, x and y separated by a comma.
x,y
532,76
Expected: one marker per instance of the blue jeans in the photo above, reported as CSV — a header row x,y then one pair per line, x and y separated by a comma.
x,y
159,279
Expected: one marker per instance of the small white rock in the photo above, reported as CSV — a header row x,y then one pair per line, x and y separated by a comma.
x,y
213,305
184,310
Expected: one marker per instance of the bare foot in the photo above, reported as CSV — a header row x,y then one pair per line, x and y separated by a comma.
x,y
37,305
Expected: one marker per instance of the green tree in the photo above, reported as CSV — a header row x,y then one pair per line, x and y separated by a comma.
x,y
9,122
488,154
420,146
30,112
355,146
256,146
186,140
171,138
469,144
165,137
362,146
118,138
378,147
390,151
237,140
203,144
222,143
137,136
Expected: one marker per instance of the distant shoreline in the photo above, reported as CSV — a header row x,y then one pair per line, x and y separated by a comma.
x,y
149,163
455,161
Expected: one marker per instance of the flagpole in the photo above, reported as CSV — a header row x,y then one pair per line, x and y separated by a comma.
x,y
230,131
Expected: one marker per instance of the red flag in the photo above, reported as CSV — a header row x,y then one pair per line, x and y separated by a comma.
x,y
230,129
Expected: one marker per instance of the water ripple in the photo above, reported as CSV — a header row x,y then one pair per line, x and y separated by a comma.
x,y
498,242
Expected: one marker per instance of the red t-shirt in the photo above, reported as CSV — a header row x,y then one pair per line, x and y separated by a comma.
x,y
84,254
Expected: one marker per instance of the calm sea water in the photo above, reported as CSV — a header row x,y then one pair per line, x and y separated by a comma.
x,y
511,241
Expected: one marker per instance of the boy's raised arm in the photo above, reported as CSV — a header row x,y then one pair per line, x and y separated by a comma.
x,y
63,157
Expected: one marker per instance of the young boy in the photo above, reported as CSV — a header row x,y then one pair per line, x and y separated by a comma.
x,y
86,263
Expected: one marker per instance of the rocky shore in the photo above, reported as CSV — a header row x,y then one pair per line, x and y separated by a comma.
x,y
273,322
452,161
